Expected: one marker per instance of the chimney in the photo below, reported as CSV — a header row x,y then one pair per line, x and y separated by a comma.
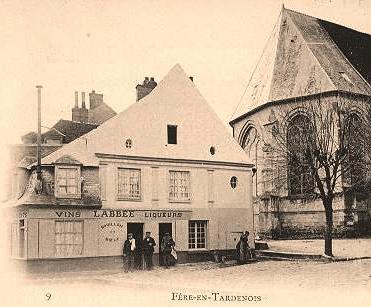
x,y
76,99
146,87
83,100
76,117
83,111
95,99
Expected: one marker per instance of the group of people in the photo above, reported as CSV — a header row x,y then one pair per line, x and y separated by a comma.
x,y
243,252
168,252
131,251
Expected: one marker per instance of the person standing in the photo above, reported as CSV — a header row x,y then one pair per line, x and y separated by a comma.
x,y
242,250
129,253
148,249
249,252
167,245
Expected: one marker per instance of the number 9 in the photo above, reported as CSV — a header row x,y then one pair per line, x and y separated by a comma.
x,y
48,296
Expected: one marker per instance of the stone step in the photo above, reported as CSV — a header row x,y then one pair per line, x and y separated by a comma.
x,y
285,255
259,245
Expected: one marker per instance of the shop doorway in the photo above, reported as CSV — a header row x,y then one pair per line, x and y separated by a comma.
x,y
137,230
163,228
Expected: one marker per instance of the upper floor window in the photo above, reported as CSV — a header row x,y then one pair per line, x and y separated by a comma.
x,y
128,143
67,182
300,177
179,186
129,187
172,134
233,182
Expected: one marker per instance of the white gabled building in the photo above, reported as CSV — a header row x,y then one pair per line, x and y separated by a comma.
x,y
165,164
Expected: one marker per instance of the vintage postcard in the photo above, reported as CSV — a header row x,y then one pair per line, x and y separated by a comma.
x,y
167,153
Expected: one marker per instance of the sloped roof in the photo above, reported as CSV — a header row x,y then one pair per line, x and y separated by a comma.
x,y
69,130
67,160
306,55
26,161
175,101
100,114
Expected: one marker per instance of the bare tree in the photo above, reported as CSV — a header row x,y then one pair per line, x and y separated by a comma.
x,y
323,144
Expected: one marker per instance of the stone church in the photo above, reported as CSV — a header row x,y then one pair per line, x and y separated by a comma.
x,y
305,60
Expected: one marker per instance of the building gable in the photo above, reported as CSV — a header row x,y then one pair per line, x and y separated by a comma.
x,y
144,125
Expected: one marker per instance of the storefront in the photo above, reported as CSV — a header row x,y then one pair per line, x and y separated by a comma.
x,y
59,239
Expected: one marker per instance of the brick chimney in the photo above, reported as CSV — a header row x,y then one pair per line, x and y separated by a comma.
x,y
145,88
75,110
95,99
83,111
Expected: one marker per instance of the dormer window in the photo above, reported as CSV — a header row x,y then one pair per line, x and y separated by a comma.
x,y
172,134
67,181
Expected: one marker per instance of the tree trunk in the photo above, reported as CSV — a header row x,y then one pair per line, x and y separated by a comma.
x,y
328,228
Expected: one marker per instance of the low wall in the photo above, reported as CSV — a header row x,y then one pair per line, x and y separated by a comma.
x,y
300,218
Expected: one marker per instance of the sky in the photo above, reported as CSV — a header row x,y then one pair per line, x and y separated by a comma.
x,y
110,46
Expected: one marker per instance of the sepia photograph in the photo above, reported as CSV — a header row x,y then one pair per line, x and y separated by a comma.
x,y
181,153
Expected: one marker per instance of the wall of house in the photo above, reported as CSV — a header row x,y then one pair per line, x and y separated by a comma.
x,y
226,211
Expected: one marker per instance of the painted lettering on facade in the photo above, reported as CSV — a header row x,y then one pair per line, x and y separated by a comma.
x,y
159,214
112,231
113,213
123,213
67,213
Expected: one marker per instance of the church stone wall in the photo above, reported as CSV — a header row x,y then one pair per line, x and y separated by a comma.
x,y
276,214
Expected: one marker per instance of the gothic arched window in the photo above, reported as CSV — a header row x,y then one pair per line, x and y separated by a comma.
x,y
354,165
249,143
249,139
300,177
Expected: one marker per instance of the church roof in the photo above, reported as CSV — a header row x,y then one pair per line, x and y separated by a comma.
x,y
306,55
175,101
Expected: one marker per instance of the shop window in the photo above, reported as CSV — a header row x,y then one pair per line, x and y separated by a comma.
x,y
171,134
67,182
68,238
197,234
233,182
129,184
179,186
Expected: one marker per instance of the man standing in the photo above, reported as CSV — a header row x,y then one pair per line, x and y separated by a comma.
x,y
129,253
148,249
167,245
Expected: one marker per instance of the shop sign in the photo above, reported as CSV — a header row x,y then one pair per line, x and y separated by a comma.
x,y
125,213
